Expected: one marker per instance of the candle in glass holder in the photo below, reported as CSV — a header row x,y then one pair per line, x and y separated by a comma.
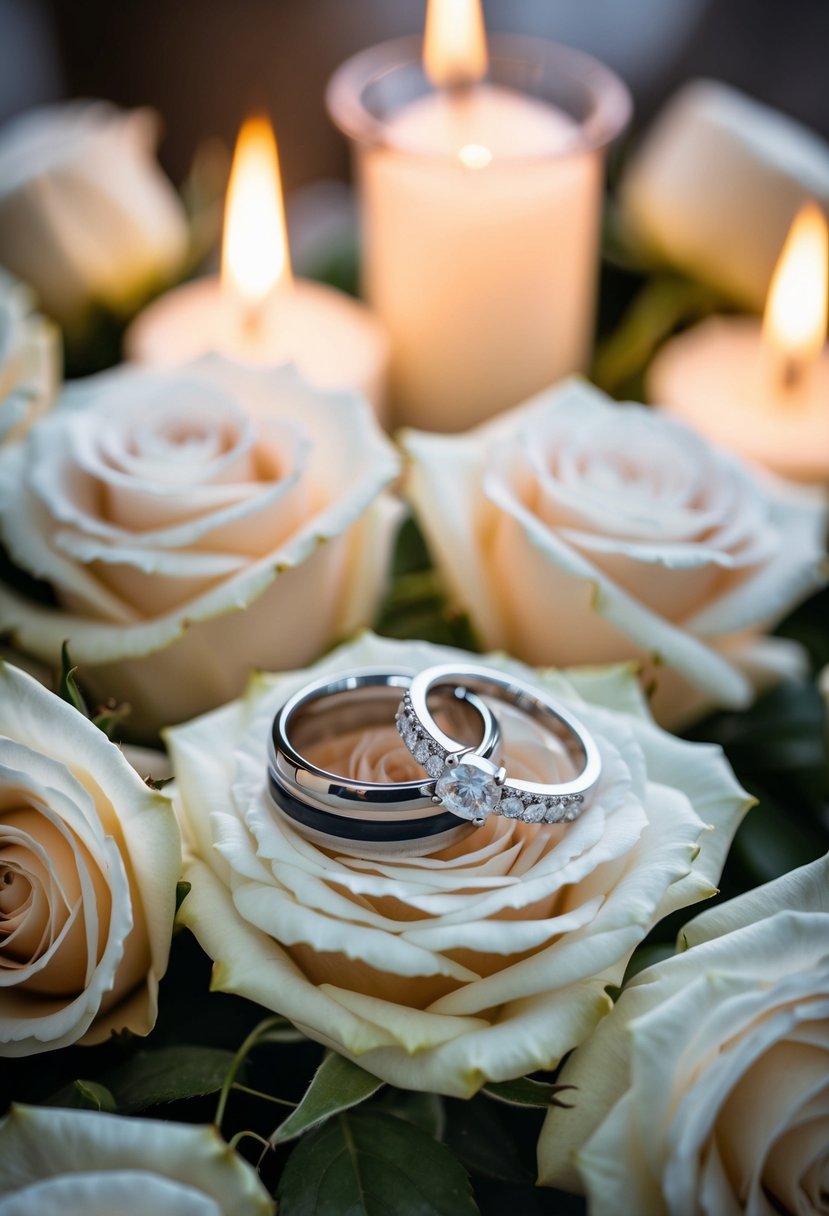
x,y
762,390
480,175
256,311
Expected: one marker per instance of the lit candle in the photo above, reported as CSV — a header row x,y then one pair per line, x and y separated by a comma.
x,y
480,174
257,312
762,390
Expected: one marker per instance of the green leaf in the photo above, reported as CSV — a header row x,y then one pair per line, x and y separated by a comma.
x,y
526,1092
152,1078
336,1085
368,1164
84,1095
424,1110
94,1096
68,687
479,1139
107,718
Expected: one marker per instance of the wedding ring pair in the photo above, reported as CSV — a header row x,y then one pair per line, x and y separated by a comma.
x,y
445,718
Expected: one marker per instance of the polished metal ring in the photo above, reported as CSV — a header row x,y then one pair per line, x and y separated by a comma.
x,y
332,808
472,786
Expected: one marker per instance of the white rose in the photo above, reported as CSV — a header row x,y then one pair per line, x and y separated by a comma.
x,y
29,360
573,530
715,184
706,1090
86,215
485,961
82,1163
89,859
160,504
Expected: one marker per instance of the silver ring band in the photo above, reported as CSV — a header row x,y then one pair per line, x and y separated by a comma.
x,y
367,835
471,785
332,808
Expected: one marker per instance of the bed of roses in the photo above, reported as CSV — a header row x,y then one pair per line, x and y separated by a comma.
x,y
202,1011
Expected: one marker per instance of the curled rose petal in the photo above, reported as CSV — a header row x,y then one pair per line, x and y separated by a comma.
x,y
195,524
86,1161
89,859
484,961
574,530
707,1087
86,215
713,156
29,360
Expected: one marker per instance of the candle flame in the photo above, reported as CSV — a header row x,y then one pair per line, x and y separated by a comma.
x,y
454,43
255,258
794,325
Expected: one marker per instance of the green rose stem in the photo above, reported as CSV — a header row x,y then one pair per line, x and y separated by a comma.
x,y
271,1030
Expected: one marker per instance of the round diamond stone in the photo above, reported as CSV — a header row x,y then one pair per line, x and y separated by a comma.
x,y
535,812
512,807
434,766
467,791
421,752
555,813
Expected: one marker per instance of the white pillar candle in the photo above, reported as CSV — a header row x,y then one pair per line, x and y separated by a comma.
x,y
480,217
716,378
334,341
761,391
257,312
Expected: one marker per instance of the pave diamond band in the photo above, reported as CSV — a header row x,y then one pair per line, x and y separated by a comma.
x,y
472,786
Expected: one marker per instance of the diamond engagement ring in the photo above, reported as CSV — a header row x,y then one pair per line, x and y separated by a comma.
x,y
471,785
336,810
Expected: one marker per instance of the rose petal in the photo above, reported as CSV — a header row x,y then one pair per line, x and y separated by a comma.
x,y
546,918
120,834
61,1155
574,530
668,1084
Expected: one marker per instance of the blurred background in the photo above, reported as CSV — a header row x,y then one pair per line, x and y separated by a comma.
x,y
205,64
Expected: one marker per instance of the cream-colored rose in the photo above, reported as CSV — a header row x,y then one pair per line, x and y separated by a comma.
x,y
706,1090
89,859
485,961
82,1163
86,215
29,360
573,530
196,523
715,184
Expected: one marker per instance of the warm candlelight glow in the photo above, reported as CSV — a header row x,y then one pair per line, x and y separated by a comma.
x,y
474,156
255,258
454,43
794,325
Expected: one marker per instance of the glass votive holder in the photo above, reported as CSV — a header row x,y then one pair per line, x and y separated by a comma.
x,y
480,219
